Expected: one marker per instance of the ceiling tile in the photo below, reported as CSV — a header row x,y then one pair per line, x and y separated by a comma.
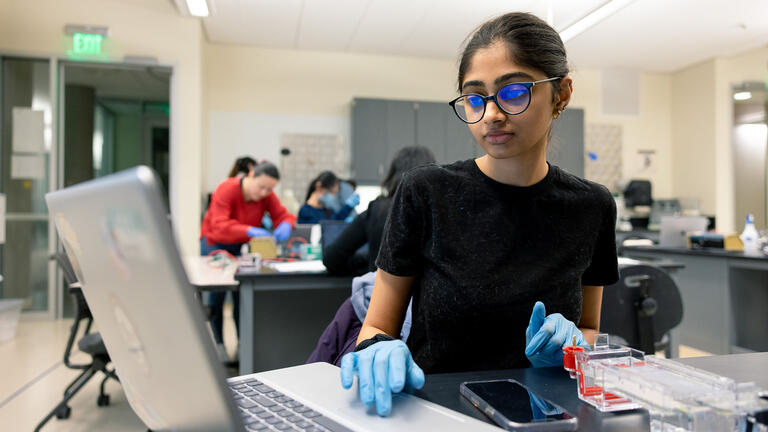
x,y
647,35
271,23
388,23
329,25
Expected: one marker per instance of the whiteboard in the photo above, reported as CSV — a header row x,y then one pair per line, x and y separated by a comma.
x,y
235,134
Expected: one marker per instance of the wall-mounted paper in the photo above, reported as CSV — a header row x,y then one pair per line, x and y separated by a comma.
x,y
28,130
28,166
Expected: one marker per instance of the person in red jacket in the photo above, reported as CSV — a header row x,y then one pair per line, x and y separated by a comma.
x,y
234,216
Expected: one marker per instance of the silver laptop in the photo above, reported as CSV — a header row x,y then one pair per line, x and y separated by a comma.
x,y
675,229
116,234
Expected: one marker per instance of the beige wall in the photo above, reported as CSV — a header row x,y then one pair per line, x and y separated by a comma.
x,y
693,135
138,27
245,78
702,114
650,129
255,81
253,94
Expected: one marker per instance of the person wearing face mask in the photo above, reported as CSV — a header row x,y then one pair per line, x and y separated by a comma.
x,y
323,202
233,218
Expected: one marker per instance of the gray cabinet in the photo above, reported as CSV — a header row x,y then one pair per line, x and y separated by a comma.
x,y
369,138
566,145
381,127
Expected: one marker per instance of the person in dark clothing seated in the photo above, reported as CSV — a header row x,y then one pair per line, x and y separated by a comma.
x,y
505,256
368,226
322,202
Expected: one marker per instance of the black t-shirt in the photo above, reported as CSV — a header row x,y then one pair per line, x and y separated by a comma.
x,y
484,252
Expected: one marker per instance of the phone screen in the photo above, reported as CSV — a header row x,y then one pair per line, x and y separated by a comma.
x,y
515,402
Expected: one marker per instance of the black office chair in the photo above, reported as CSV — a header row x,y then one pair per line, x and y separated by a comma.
x,y
641,308
89,343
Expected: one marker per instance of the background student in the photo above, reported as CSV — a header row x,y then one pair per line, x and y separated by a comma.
x,y
234,216
322,202
483,244
368,226
242,167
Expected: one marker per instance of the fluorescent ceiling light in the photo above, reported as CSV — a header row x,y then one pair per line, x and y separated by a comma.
x,y
740,96
198,8
592,18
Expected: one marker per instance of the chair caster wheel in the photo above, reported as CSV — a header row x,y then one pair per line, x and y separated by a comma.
x,y
63,412
103,400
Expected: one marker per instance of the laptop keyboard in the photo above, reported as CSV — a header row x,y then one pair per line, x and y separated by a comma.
x,y
265,409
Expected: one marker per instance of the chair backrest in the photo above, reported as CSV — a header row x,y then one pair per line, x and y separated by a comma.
x,y
638,193
82,311
622,311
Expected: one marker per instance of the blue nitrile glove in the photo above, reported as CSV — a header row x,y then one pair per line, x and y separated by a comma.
x,y
283,231
382,369
546,336
353,200
257,232
541,408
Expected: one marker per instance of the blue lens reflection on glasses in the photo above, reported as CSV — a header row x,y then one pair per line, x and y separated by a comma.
x,y
514,94
475,101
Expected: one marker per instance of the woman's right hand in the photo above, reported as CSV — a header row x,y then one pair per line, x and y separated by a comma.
x,y
382,369
257,232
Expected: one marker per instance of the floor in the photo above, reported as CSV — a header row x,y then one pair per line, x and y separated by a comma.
x,y
33,377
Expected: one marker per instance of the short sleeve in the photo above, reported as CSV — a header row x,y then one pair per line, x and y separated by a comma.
x,y
404,231
604,268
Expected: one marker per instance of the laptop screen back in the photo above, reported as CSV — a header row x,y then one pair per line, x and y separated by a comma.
x,y
115,231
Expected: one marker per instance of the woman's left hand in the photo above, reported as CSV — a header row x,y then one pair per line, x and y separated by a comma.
x,y
283,231
547,335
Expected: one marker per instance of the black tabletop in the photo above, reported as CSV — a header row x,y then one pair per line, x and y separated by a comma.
x,y
710,252
555,385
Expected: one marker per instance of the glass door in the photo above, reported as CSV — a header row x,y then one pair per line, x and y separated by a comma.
x,y
26,166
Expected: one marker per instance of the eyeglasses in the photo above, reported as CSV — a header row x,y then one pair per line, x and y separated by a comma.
x,y
512,99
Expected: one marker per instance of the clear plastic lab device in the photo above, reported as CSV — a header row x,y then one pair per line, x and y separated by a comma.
x,y
678,397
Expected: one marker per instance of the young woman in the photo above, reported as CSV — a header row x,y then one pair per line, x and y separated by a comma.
x,y
322,200
234,216
484,244
368,226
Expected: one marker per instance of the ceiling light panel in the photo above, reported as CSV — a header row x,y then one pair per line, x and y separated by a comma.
x,y
198,8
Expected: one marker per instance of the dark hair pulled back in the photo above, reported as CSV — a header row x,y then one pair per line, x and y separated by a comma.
x,y
531,42
242,165
267,168
406,159
327,180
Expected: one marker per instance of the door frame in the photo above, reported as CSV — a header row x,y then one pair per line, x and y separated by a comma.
x,y
61,63
56,64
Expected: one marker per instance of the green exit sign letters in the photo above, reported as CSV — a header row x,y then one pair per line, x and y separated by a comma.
x,y
86,44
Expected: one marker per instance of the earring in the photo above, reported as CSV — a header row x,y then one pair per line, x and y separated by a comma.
x,y
559,111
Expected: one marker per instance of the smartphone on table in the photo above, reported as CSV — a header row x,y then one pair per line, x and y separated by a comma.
x,y
514,407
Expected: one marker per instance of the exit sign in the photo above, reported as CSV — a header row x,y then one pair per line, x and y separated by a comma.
x,y
86,44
